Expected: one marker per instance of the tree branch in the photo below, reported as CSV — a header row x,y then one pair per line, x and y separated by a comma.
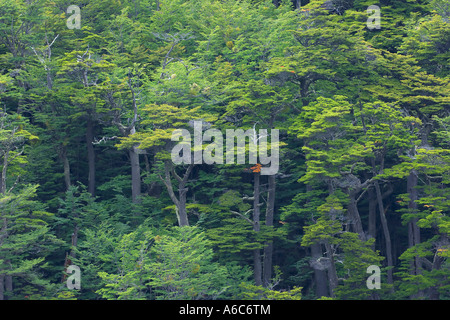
x,y
243,216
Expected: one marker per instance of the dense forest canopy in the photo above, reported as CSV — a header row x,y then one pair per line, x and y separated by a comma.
x,y
91,93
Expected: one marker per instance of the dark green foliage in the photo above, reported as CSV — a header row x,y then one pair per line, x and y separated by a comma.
x,y
86,176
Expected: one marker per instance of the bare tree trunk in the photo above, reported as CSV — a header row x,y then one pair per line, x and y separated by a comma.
x,y
180,203
74,241
433,292
268,249
372,228
3,234
5,280
154,188
413,229
4,229
257,267
256,227
66,165
135,175
354,215
91,156
386,233
72,254
320,276
332,275
134,155
8,281
2,287
4,168
182,212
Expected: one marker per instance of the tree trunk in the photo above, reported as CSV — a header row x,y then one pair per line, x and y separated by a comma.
x,y
5,280
74,241
256,227
3,178
320,276
332,275
386,233
70,256
2,287
413,229
134,155
354,215
257,267
66,165
180,203
433,292
91,156
49,80
372,213
135,175
3,235
268,249
8,282
153,188
182,212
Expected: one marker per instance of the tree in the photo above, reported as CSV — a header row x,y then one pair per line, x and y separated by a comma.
x,y
25,229
87,69
423,263
25,242
162,121
172,265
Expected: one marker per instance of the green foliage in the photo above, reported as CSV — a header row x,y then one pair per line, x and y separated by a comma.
x,y
357,256
173,265
364,136
253,292
26,240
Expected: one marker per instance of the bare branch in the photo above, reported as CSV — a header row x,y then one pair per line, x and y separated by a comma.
x,y
104,139
15,184
188,172
176,175
53,40
243,216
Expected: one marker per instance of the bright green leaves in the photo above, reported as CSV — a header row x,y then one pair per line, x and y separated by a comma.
x,y
88,70
160,121
328,53
324,126
433,165
353,254
25,239
339,135
172,265
432,282
236,234
439,221
427,41
356,257
322,120
327,226
386,126
183,268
